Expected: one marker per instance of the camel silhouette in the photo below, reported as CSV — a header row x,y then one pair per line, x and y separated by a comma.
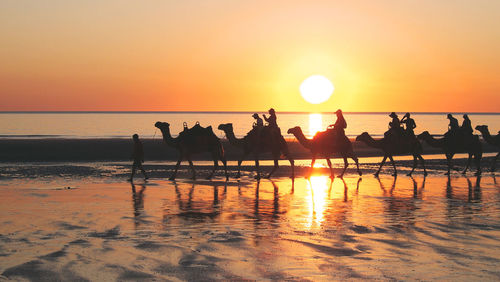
x,y
454,143
492,140
193,141
257,141
324,145
390,147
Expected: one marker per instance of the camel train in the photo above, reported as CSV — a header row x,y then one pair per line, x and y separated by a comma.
x,y
330,143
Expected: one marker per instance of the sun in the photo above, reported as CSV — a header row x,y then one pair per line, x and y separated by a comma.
x,y
316,89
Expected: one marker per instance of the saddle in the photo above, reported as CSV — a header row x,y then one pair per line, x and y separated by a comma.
x,y
197,130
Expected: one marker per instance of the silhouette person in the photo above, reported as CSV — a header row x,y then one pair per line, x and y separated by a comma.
x,y
339,126
271,120
410,125
453,125
138,157
394,126
466,125
258,121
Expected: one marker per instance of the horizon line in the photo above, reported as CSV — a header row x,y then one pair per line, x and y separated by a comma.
x,y
228,112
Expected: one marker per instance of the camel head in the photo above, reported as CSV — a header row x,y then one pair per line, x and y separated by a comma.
x,y
161,125
482,128
294,130
363,136
424,135
226,127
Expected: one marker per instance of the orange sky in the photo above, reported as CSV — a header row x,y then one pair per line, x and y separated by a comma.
x,y
248,56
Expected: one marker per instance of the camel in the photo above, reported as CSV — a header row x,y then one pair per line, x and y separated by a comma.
x,y
257,143
391,148
451,145
322,144
492,140
188,144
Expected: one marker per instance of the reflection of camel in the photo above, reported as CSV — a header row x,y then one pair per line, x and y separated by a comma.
x,y
390,148
258,142
476,196
492,140
451,145
188,144
417,193
322,144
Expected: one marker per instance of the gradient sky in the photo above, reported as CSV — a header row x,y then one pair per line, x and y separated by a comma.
x,y
432,56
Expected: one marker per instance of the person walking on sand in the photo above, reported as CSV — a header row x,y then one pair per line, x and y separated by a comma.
x,y
138,157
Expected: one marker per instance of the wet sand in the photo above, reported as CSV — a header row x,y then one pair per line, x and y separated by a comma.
x,y
357,228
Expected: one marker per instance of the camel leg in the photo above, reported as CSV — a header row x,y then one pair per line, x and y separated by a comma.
x,y
357,164
216,165
414,165
312,164
477,160
275,167
224,162
239,164
469,159
191,166
393,165
332,175
176,168
448,161
381,165
257,168
346,164
292,164
423,163
494,164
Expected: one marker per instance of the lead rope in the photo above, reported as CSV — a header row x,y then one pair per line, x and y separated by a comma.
x,y
155,134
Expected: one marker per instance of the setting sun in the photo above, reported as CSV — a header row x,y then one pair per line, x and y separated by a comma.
x,y
316,89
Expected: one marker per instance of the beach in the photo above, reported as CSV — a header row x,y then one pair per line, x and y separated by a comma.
x,y
356,228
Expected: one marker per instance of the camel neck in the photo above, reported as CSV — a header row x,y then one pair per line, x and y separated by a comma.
x,y
232,138
167,137
302,139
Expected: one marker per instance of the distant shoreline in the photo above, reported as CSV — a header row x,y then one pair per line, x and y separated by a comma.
x,y
234,112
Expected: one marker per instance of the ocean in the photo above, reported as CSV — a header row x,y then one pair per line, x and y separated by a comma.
x,y
124,124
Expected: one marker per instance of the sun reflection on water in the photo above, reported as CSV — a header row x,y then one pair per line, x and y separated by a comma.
x,y
318,198
315,123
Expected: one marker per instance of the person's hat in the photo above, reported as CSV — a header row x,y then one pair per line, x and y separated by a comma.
x,y
449,115
393,115
255,115
271,110
135,136
407,114
339,111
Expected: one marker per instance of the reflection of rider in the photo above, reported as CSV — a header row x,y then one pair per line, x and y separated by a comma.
x,y
410,124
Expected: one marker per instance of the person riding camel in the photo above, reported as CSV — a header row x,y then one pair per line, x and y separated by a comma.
x,y
338,128
258,121
453,125
394,126
410,125
271,120
466,126
272,125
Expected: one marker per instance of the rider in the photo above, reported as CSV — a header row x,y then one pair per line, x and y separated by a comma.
x,y
453,125
271,120
339,126
467,125
258,121
410,124
394,126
